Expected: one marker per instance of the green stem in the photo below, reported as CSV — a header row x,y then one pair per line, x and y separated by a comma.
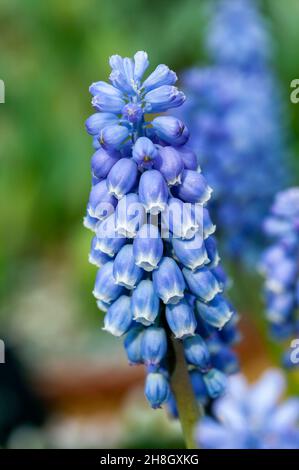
x,y
188,409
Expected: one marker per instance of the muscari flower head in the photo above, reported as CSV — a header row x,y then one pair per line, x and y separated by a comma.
x,y
238,19
250,416
235,118
280,268
153,238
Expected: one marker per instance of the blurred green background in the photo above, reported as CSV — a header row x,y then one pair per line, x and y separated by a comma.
x,y
49,54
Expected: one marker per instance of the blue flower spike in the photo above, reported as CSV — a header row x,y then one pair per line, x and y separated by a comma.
x,y
235,114
152,232
280,267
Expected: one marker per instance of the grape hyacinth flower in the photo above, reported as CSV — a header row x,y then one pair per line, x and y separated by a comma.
x,y
250,417
280,267
235,118
242,20
159,277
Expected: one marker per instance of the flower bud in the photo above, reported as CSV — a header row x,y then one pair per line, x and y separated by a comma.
x,y
162,75
148,247
145,303
156,389
132,345
191,253
193,188
125,271
154,345
101,204
104,88
163,98
97,121
144,152
122,74
168,281
122,177
141,63
102,162
106,98
171,130
105,288
202,283
128,70
118,318
217,312
197,353
181,319
112,137
153,191
170,165
108,104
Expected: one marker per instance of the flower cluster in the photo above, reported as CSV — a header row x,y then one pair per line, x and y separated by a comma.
x,y
249,417
234,116
159,270
280,266
238,35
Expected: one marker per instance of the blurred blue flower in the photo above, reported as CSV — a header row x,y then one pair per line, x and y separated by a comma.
x,y
153,236
280,267
250,417
235,118
239,19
